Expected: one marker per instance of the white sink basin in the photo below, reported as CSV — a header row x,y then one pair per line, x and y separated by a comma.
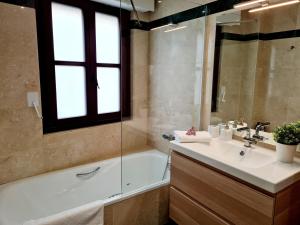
x,y
252,157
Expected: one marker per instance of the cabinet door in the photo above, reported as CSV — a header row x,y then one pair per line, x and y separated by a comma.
x,y
185,211
287,206
234,201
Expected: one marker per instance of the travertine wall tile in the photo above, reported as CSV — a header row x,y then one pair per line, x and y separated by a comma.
x,y
237,78
269,88
174,80
135,130
279,19
24,150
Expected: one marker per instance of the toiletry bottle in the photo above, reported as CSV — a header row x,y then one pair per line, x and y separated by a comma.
x,y
226,133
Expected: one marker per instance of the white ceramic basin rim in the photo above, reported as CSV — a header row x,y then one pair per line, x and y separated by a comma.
x,y
252,157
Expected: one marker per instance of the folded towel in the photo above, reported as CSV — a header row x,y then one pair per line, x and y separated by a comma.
x,y
201,136
89,214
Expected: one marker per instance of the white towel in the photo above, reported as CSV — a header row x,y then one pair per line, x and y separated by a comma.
x,y
89,214
201,136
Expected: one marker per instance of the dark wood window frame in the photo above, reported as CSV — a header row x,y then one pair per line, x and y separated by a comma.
x,y
47,66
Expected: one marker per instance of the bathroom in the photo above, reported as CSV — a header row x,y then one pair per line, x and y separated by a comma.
x,y
149,112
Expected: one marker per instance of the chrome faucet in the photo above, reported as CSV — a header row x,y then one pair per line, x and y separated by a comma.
x,y
260,127
248,140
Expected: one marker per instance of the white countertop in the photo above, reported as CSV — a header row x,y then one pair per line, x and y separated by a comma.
x,y
258,166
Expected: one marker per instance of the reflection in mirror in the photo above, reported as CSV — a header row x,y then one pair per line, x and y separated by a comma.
x,y
256,71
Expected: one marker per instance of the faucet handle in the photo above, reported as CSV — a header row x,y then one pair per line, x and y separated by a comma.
x,y
243,128
247,138
249,141
262,124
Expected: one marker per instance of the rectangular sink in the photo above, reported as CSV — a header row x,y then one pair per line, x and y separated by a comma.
x,y
240,155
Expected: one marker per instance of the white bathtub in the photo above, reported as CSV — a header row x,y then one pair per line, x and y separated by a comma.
x,y
51,193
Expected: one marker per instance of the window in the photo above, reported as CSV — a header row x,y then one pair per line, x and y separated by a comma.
x,y
84,63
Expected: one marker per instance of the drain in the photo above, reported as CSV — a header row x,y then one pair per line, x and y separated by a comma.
x,y
128,184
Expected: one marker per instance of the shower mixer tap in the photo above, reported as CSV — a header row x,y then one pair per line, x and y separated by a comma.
x,y
168,137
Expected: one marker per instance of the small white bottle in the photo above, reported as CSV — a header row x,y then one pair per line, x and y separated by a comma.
x,y
226,133
214,130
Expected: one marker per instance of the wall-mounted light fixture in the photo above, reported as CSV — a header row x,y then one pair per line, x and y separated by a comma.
x,y
173,27
274,6
176,28
156,28
247,4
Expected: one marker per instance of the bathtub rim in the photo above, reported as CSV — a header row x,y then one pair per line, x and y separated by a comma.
x,y
108,200
82,166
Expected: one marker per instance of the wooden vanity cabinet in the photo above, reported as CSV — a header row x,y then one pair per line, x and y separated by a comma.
x,y
200,195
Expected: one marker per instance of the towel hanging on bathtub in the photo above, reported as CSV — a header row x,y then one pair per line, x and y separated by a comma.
x,y
89,214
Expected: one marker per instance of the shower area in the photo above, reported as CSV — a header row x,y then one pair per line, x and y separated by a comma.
x,y
145,75
166,71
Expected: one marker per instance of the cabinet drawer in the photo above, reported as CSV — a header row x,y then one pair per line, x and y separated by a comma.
x,y
185,211
232,200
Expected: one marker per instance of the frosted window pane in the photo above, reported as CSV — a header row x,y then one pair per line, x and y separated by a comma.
x,y
70,91
68,33
109,92
107,38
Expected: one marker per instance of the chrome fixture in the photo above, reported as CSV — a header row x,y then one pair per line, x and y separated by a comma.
x,y
260,127
115,195
136,13
248,140
80,175
168,137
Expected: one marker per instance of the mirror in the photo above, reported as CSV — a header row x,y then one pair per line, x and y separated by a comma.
x,y
257,67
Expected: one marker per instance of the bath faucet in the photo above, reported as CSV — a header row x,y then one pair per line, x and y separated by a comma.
x,y
248,140
260,127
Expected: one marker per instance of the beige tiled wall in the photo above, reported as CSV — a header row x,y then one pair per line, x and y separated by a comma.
x,y
237,76
24,150
270,88
277,93
175,80
135,130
